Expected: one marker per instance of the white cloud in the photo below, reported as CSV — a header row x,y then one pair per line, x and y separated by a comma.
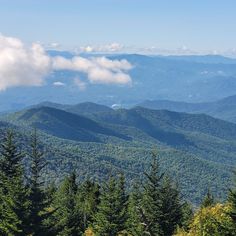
x,y
59,84
22,65
107,48
98,70
114,65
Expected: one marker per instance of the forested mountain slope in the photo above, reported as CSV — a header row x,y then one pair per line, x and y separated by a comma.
x,y
100,139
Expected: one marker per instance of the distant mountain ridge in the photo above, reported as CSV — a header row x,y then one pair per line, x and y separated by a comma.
x,y
178,78
223,109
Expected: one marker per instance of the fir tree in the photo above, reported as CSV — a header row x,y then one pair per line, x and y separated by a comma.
x,y
134,223
88,198
37,199
162,207
208,199
111,210
232,201
171,212
13,191
151,211
122,199
67,217
9,221
11,157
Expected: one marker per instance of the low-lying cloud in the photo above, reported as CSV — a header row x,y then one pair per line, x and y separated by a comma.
x,y
99,70
107,48
22,65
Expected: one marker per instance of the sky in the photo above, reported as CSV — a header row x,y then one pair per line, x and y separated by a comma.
x,y
202,25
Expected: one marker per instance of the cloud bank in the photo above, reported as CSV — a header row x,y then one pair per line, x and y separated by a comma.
x,y
99,70
22,65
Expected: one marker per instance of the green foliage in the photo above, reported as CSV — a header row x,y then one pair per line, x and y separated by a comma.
x,y
152,207
13,192
88,198
208,200
111,216
212,220
67,218
232,201
102,137
134,223
162,210
36,210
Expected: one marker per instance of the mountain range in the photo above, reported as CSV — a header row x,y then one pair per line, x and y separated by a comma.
x,y
196,149
223,109
192,79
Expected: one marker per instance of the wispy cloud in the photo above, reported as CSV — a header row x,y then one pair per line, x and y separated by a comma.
x,y
106,48
59,84
80,84
22,65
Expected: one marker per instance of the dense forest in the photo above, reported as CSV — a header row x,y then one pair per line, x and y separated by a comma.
x,y
153,205
91,139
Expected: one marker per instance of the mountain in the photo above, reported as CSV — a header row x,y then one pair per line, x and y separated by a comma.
x,y
208,59
64,124
196,149
85,108
223,109
179,78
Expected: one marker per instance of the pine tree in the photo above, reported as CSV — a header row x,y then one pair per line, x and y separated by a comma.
x,y
109,219
9,221
171,208
67,217
13,191
37,199
88,198
188,214
134,223
232,201
162,207
208,200
11,157
151,211
122,198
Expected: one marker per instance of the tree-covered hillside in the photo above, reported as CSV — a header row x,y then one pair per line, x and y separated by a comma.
x,y
152,205
102,138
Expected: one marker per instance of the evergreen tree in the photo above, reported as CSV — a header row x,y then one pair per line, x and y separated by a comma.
x,y
67,218
151,211
109,219
232,201
88,198
10,157
134,223
9,221
208,200
13,191
187,213
171,212
162,207
122,199
37,213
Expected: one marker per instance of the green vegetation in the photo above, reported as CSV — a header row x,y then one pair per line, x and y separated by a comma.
x,y
152,206
101,138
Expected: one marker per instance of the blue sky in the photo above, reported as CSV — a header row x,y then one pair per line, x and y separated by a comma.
x,y
168,24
